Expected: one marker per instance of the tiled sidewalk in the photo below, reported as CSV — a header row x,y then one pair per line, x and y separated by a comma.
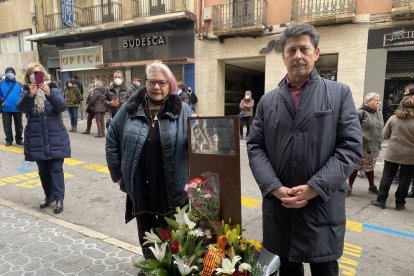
x,y
33,246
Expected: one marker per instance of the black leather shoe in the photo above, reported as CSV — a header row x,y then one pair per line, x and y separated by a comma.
x,y
19,143
46,201
59,206
378,204
399,207
8,144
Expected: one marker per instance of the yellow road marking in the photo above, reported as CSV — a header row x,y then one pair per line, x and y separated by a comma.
x,y
353,246
11,148
96,167
73,162
353,226
250,202
347,271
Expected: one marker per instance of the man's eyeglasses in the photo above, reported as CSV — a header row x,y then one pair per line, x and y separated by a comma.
x,y
161,83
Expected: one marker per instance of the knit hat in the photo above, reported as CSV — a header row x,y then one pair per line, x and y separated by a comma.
x,y
8,69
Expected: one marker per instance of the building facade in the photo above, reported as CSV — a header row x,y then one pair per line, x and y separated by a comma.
x,y
16,24
366,44
93,38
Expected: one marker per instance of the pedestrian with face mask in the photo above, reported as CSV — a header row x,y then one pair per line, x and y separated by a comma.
x,y
136,85
246,113
9,96
73,98
117,94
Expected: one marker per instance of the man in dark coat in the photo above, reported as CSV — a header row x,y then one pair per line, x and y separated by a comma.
x,y
304,143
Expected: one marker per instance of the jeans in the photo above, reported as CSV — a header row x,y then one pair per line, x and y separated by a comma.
x,y
73,113
317,269
388,174
51,176
7,126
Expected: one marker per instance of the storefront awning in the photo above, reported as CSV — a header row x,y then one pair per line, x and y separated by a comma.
x,y
144,62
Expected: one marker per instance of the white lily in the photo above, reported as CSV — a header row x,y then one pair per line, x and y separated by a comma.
x,y
182,218
197,232
184,264
151,237
207,233
244,267
158,252
227,266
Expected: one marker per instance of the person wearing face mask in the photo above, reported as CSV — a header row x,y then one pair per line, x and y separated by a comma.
x,y
73,98
136,85
118,93
147,151
9,95
246,113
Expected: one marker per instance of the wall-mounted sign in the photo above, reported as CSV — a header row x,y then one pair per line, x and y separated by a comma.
x,y
80,58
399,38
67,12
144,41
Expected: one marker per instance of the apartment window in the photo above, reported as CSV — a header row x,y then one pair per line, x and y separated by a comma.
x,y
15,43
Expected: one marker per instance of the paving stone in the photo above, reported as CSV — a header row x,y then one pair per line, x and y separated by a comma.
x,y
31,246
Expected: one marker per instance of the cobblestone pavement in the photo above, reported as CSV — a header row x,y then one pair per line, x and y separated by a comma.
x,y
32,246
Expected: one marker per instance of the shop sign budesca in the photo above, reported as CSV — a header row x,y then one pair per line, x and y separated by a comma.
x,y
144,41
80,58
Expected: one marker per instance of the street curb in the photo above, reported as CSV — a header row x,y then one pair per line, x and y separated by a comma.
x,y
80,229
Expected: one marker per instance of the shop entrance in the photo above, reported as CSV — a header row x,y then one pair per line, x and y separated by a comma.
x,y
242,75
399,74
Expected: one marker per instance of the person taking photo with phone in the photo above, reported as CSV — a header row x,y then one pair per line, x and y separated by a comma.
x,y
46,140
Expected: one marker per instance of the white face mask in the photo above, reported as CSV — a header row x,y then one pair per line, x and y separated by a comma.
x,y
247,97
32,78
118,82
136,83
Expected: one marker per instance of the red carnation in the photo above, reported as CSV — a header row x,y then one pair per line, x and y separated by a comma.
x,y
165,235
175,246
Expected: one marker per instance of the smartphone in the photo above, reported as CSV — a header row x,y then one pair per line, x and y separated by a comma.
x,y
39,77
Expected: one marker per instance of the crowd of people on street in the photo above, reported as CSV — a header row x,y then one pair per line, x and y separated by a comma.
x,y
305,144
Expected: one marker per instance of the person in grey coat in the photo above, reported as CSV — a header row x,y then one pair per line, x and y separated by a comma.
x,y
146,151
304,143
372,123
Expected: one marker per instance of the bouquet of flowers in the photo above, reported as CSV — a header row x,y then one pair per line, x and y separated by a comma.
x,y
204,199
176,250
188,247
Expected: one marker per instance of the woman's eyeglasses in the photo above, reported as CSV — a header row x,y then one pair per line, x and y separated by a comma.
x,y
161,83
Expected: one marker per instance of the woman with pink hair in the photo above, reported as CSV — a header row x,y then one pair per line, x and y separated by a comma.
x,y
146,151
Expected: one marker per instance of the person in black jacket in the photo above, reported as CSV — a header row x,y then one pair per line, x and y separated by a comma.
x,y
304,143
46,140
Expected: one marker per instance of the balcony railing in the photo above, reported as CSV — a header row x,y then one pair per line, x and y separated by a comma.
x,y
239,14
305,9
402,3
86,16
402,9
142,8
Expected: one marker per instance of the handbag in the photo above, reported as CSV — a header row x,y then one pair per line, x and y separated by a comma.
x,y
5,98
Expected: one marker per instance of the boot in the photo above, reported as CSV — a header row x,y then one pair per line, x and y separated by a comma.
x,y
71,129
59,206
86,132
46,201
74,129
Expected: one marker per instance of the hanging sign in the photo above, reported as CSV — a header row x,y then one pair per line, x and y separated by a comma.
x,y
67,12
80,58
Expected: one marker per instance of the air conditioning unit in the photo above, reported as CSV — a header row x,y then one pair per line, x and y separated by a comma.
x,y
207,13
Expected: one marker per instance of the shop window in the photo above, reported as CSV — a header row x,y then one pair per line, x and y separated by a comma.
x,y
327,66
15,43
